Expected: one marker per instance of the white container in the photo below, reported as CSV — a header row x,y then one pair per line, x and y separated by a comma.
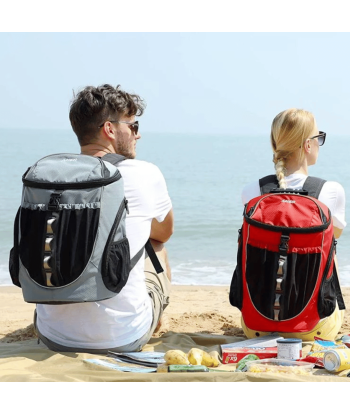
x,y
289,349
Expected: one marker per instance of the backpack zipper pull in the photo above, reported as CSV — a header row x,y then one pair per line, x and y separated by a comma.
x,y
126,205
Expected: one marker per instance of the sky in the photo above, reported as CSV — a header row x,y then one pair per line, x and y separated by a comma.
x,y
193,82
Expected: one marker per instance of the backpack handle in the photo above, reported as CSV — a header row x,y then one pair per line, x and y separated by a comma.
x,y
293,191
313,185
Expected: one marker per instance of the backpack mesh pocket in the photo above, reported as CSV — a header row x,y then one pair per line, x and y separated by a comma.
x,y
14,255
297,286
327,296
117,265
56,246
236,287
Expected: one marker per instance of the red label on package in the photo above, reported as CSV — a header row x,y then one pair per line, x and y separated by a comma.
x,y
235,355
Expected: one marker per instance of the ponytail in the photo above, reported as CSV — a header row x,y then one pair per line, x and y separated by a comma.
x,y
280,173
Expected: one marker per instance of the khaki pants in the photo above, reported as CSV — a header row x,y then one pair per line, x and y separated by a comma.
x,y
158,287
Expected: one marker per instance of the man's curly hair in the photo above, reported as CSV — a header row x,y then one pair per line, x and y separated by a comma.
x,y
92,106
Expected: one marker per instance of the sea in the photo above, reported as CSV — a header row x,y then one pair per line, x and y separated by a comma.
x,y
205,175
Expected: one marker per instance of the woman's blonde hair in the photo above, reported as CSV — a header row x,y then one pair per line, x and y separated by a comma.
x,y
289,130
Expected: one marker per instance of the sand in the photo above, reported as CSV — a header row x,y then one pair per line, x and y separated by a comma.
x,y
192,309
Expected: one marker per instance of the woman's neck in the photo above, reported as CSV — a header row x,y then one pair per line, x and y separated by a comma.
x,y
295,167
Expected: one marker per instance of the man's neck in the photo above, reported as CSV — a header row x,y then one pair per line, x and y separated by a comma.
x,y
96,150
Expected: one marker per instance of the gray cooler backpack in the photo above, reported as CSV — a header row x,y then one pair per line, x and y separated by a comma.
x,y
70,244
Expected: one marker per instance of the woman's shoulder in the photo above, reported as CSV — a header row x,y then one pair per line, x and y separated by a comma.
x,y
333,189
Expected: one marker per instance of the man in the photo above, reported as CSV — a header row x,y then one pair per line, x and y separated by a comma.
x,y
103,119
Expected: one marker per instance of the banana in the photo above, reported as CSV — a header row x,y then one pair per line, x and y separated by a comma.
x,y
201,357
176,357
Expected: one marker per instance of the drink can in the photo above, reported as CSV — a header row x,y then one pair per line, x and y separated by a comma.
x,y
289,349
336,360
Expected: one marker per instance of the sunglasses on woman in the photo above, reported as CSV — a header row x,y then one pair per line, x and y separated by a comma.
x,y
321,137
134,126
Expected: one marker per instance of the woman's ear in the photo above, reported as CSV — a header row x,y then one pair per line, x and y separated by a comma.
x,y
307,146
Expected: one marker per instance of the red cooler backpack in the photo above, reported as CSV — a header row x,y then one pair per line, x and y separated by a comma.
x,y
285,279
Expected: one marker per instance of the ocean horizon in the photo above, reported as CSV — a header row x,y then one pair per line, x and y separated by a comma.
x,y
205,175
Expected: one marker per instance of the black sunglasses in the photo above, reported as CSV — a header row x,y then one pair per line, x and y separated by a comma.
x,y
134,126
321,137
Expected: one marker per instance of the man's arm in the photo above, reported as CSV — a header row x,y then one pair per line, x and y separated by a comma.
x,y
337,232
162,231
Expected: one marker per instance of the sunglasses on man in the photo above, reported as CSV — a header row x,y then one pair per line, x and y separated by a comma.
x,y
321,137
134,126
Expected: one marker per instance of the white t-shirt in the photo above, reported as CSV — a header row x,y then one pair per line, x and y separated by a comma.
x,y
126,317
332,195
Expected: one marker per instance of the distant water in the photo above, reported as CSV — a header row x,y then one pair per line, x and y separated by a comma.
x,y
205,175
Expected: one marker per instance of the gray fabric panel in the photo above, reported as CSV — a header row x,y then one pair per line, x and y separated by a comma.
x,y
88,287
66,167
121,231
95,205
39,198
112,169
112,197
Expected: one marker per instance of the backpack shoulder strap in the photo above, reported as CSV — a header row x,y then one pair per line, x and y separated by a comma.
x,y
113,158
268,183
152,256
313,185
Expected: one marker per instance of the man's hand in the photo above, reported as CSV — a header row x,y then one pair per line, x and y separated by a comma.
x,y
162,231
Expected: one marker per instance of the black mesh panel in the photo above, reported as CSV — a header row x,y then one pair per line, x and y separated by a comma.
x,y
261,273
74,233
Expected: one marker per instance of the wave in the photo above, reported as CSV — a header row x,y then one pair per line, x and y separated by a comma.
x,y
197,272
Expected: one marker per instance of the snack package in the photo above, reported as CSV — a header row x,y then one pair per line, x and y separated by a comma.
x,y
321,344
314,357
318,349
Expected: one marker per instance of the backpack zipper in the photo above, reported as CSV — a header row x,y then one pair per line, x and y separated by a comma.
x,y
248,216
80,185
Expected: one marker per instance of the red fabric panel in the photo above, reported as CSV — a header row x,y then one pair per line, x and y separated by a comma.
x,y
288,210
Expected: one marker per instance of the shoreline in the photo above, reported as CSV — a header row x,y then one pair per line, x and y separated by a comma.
x,y
192,309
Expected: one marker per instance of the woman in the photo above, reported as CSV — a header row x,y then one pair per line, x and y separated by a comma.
x,y
295,141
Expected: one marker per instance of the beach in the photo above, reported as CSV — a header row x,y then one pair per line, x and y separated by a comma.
x,y
192,309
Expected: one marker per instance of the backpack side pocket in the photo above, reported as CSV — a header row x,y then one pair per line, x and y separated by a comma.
x,y
116,272
330,291
14,254
236,288
327,297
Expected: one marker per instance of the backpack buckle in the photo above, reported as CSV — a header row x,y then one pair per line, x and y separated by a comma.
x,y
54,202
283,246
